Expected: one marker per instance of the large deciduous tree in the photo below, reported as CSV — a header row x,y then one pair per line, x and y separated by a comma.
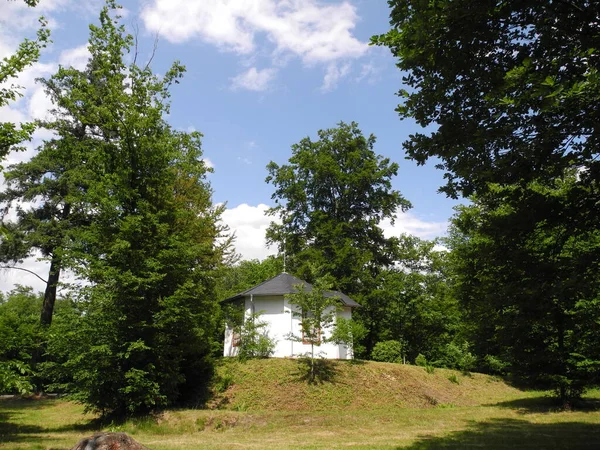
x,y
529,282
511,92
512,88
331,198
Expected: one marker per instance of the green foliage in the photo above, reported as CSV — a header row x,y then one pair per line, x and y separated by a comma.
x,y
415,303
21,336
388,351
14,377
493,365
454,379
149,252
11,66
528,281
317,310
348,332
254,338
246,274
331,197
457,356
509,88
420,360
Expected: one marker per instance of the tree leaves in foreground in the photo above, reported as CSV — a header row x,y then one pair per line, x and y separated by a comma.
x,y
332,197
512,87
511,90
27,54
149,250
316,310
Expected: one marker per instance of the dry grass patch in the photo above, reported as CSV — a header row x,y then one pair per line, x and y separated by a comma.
x,y
274,384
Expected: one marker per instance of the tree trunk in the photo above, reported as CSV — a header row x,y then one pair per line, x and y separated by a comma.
x,y
53,277
50,292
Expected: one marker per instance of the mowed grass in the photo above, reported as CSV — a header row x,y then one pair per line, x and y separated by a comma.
x,y
402,407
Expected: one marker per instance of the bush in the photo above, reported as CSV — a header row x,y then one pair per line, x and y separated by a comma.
x,y
421,360
494,365
457,356
254,339
387,351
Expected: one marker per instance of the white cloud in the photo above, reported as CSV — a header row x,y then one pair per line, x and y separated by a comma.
x,y
208,163
75,57
249,223
369,72
333,75
312,30
253,79
11,277
409,223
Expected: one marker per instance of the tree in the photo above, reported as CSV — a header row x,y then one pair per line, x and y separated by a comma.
x,y
511,92
331,199
10,67
317,312
416,305
254,340
149,251
20,334
528,282
511,87
246,274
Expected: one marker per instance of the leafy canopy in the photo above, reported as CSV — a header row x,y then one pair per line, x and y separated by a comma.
x,y
511,88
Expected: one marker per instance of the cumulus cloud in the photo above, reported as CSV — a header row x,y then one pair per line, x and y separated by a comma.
x,y
253,79
314,31
75,57
250,225
409,223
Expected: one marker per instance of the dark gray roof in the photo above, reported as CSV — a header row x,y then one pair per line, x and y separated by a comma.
x,y
284,283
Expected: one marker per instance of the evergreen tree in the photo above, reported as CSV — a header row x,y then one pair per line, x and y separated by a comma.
x,y
147,246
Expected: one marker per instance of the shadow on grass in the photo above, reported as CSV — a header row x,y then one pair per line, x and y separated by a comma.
x,y
317,370
511,433
12,430
547,404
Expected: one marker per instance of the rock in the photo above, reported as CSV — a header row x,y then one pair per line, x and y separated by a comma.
x,y
109,441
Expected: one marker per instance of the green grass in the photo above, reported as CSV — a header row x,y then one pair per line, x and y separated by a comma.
x,y
479,412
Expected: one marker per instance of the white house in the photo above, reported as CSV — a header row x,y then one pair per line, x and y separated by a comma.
x,y
268,299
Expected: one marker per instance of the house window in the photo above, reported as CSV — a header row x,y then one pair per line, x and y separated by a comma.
x,y
236,339
312,337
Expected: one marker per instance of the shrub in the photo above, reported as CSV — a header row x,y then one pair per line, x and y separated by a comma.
x,y
457,356
254,339
453,379
421,360
494,365
387,351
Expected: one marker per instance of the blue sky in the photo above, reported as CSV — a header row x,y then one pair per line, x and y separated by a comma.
x,y
261,75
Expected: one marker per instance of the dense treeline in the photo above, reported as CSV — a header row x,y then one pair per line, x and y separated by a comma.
x,y
120,200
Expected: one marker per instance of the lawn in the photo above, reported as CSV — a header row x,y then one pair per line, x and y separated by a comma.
x,y
523,423
374,406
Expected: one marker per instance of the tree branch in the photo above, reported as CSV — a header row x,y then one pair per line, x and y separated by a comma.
x,y
25,270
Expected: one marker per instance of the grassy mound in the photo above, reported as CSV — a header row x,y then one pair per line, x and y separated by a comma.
x,y
277,385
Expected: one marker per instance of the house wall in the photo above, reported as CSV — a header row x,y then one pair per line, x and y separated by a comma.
x,y
277,312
